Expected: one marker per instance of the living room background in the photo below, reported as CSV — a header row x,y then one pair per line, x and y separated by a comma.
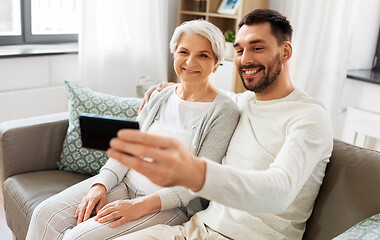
x,y
121,41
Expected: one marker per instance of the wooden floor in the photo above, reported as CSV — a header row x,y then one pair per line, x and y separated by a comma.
x,y
5,232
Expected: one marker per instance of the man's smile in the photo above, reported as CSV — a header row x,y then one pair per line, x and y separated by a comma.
x,y
251,72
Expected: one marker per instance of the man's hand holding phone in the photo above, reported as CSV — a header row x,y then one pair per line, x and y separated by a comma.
x,y
97,130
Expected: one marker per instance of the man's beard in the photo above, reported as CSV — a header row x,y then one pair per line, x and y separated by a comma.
x,y
266,81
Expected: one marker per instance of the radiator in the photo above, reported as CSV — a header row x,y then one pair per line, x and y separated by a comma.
x,y
32,102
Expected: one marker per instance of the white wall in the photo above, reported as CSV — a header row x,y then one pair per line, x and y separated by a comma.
x,y
363,45
364,96
31,86
355,93
34,72
223,78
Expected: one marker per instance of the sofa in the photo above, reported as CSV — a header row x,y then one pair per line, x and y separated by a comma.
x,y
30,149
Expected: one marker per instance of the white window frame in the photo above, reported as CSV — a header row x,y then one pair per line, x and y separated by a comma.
x,y
27,37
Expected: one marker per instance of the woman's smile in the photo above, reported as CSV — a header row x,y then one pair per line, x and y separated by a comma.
x,y
189,71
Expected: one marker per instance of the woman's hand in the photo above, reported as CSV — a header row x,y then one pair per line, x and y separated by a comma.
x,y
95,197
128,210
157,87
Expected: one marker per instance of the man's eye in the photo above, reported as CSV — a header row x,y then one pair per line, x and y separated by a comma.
x,y
239,52
203,56
258,48
182,52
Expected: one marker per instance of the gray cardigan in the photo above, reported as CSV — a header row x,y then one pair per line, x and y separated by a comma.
x,y
210,140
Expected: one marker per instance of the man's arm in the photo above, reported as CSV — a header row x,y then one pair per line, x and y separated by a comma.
x,y
271,190
171,164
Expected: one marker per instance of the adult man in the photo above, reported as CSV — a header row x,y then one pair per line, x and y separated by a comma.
x,y
276,159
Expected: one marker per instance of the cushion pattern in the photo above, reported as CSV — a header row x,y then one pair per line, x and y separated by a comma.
x,y
367,229
74,157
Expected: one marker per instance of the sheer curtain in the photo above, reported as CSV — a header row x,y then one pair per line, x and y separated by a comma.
x,y
323,31
121,40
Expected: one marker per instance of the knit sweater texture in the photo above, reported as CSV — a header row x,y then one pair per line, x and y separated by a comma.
x,y
210,140
272,171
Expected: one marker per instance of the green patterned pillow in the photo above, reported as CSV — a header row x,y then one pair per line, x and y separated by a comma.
x,y
367,229
74,157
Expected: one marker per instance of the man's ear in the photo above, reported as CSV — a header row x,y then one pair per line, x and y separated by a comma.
x,y
288,51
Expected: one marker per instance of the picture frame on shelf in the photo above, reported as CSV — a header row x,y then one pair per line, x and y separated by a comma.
x,y
228,7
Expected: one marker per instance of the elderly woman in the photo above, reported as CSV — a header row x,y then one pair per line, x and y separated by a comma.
x,y
122,200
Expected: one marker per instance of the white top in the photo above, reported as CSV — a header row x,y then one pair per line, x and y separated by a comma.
x,y
275,165
211,137
177,118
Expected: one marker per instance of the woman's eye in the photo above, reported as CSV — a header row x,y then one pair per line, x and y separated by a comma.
x,y
182,52
204,56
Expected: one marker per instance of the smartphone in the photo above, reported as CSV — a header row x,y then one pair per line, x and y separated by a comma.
x,y
97,130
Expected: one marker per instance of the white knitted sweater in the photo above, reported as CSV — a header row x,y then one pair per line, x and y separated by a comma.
x,y
273,169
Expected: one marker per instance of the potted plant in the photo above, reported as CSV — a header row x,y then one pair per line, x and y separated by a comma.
x,y
229,35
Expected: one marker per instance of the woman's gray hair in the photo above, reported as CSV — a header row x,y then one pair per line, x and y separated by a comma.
x,y
205,29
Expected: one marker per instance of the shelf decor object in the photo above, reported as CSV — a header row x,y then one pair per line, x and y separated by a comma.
x,y
229,35
199,5
228,7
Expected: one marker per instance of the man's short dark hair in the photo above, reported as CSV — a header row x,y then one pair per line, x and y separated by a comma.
x,y
280,26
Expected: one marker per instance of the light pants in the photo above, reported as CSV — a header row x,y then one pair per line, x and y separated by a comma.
x,y
194,229
54,218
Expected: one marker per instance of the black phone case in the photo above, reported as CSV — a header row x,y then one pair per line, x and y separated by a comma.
x,y
97,130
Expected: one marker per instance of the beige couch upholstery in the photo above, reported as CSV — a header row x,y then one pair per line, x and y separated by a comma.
x,y
350,192
29,152
30,148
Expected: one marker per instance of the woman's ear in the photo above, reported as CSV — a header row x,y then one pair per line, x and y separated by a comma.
x,y
288,51
215,67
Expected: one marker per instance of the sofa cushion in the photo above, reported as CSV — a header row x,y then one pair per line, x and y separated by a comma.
x,y
367,229
349,194
23,192
74,157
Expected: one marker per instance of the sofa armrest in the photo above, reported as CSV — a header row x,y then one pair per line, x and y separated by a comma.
x,y
31,144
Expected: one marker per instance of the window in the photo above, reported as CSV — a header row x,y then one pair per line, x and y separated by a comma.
x,y
38,21
10,22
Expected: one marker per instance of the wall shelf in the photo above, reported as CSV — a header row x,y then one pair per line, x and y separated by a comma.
x,y
193,13
369,75
223,15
